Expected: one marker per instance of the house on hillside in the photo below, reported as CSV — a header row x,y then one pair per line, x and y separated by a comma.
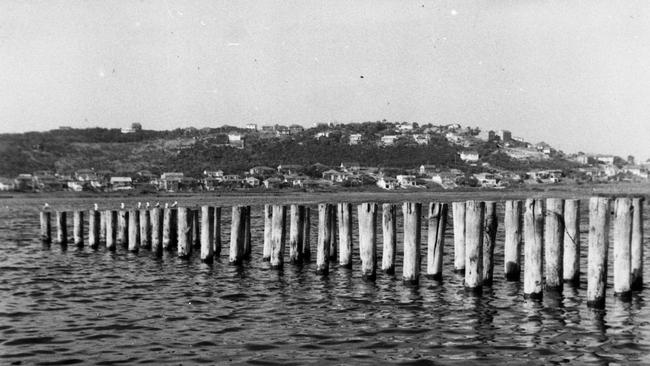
x,y
217,174
7,184
486,179
252,181
272,183
171,181
469,156
350,166
236,140
355,139
296,129
406,181
289,168
24,182
251,127
388,140
427,169
387,183
334,175
85,175
262,171
421,138
121,183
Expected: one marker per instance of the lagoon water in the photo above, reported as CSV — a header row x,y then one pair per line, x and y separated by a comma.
x,y
69,305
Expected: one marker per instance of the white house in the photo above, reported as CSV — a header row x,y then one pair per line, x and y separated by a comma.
x,y
406,181
121,183
389,140
469,156
421,139
387,183
236,140
355,139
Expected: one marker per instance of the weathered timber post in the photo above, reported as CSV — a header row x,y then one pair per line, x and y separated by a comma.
x,y
247,232
110,217
134,230
571,261
474,221
389,237
196,235
46,227
278,236
217,232
184,230
122,228
324,238
636,259
237,235
437,218
333,241
367,218
306,235
489,242
533,247
512,246
597,255
268,217
412,233
61,228
554,243
102,226
297,218
622,246
78,228
207,232
168,222
156,230
345,234
145,229
458,209
94,220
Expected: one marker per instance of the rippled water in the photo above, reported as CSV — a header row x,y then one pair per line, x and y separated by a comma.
x,y
69,306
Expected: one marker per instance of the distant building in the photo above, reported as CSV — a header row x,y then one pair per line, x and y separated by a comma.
x,y
427,169
421,139
323,134
387,183
469,156
236,140
251,126
262,170
7,184
213,173
350,166
121,183
406,181
289,169
355,138
171,181
252,181
135,127
605,159
268,129
504,135
486,179
389,140
296,129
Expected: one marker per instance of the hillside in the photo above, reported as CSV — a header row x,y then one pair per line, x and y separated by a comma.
x,y
192,151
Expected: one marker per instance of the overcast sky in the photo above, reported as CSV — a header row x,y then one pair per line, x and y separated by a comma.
x,y
574,74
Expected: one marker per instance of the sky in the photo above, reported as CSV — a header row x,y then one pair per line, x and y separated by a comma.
x,y
575,74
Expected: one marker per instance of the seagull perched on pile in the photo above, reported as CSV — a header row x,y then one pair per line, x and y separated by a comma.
x,y
139,205
158,204
96,207
46,206
175,204
146,205
122,205
166,204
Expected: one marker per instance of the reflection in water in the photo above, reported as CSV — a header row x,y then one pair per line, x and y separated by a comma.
x,y
76,305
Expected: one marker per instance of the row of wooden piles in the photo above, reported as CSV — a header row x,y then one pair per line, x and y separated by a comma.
x,y
548,231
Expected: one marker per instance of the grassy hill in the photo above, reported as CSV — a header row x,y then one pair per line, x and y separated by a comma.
x,y
191,151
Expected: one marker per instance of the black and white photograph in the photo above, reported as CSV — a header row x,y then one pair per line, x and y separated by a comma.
x,y
301,182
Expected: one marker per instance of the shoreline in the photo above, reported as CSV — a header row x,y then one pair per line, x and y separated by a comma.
x,y
64,200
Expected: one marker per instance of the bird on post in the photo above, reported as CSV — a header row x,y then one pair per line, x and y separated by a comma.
x,y
175,204
122,205
146,205
139,205
46,206
96,207
158,204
